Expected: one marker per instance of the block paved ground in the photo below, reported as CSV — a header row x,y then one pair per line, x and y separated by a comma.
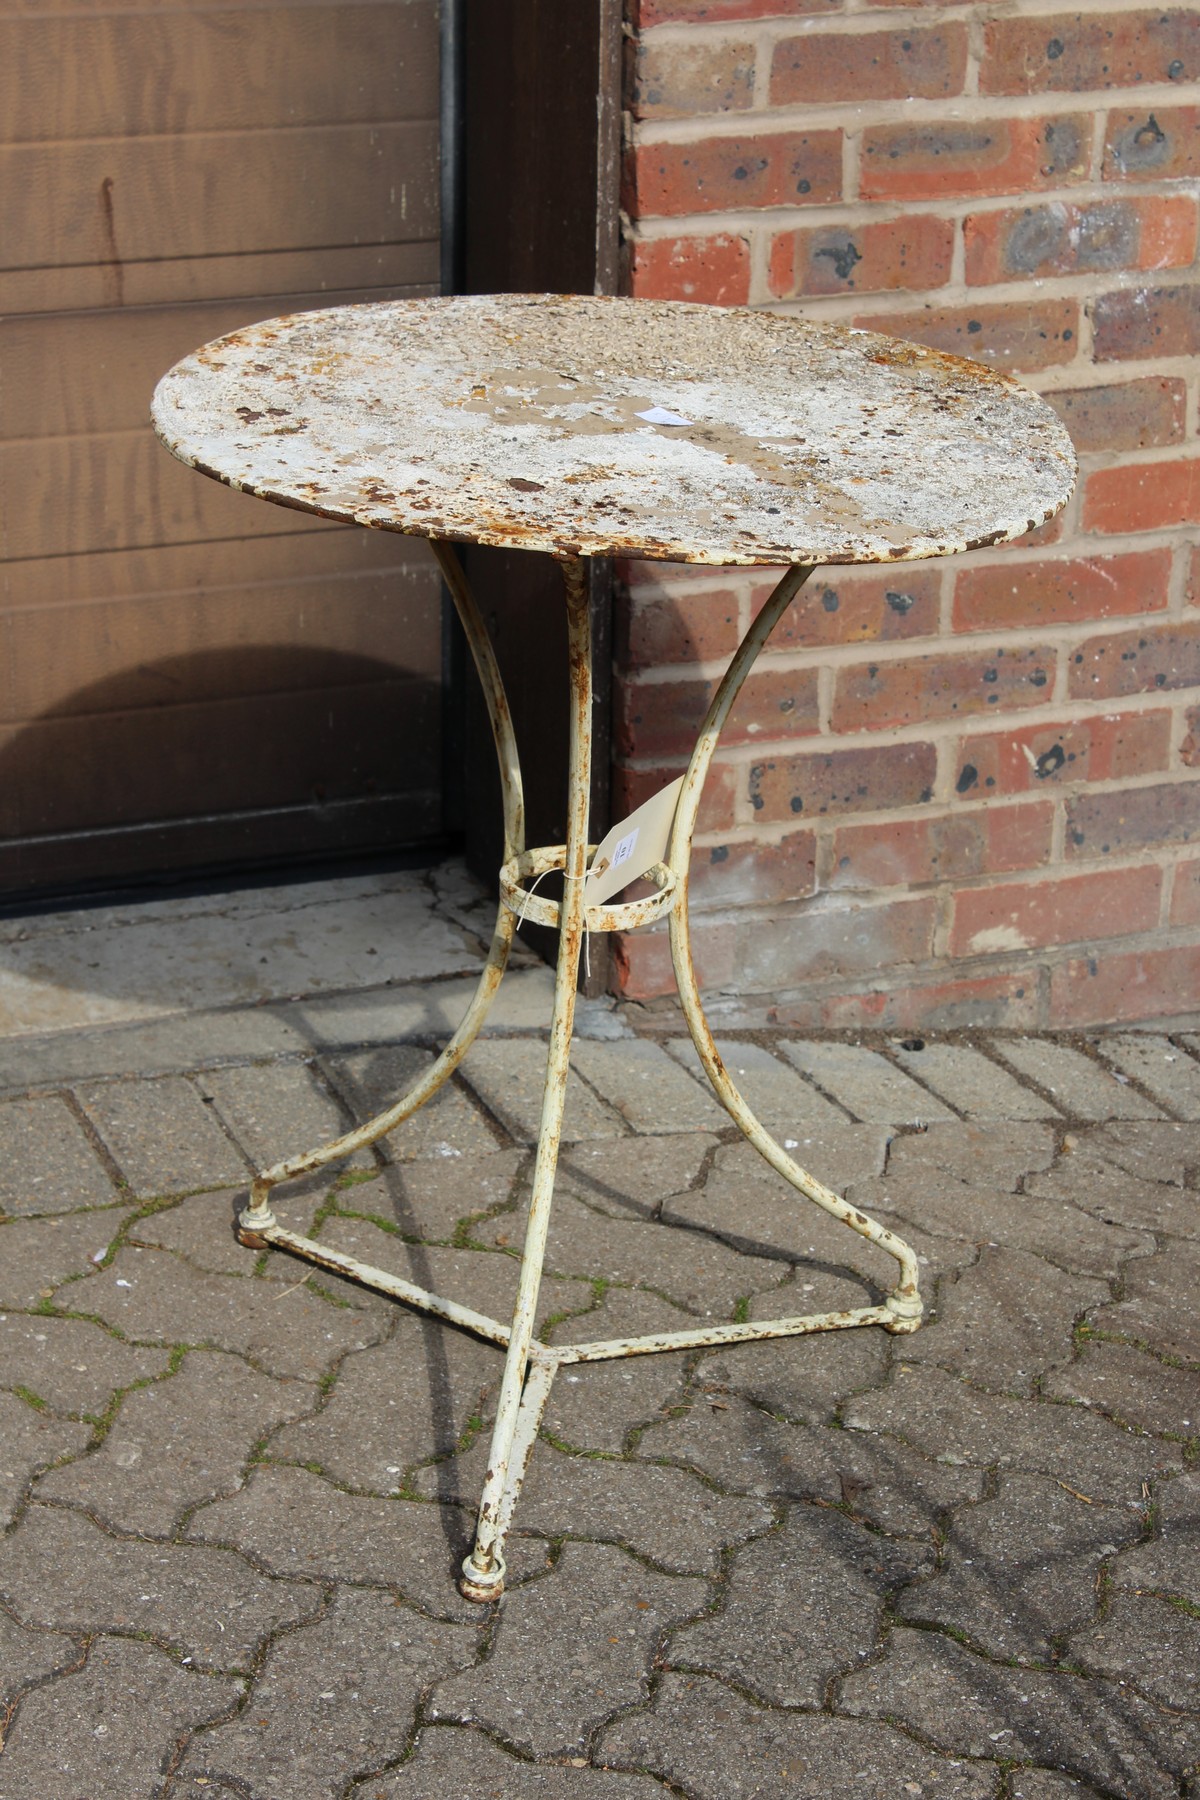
x,y
234,1494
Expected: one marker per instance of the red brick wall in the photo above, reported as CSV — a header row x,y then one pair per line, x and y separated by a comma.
x,y
959,791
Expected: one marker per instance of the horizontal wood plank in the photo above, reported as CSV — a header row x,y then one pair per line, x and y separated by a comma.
x,y
217,195
110,73
273,280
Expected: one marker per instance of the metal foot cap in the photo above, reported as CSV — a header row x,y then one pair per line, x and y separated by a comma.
x,y
907,1311
483,1585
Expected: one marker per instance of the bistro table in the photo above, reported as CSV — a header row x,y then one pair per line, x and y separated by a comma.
x,y
581,427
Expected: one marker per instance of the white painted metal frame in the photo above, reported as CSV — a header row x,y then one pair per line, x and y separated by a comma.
x,y
530,1367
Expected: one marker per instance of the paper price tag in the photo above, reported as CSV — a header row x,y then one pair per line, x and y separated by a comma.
x,y
632,846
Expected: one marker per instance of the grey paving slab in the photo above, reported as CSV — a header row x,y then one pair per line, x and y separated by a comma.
x,y
278,1109
715,1745
154,1297
109,1728
664,1515
569,1650
990,1153
1006,1320
1088,1177
37,1255
869,1087
972,1707
1048,1784
1151,1151
800,1607
690,1267
1169,1562
630,1177
165,1046
294,1523
71,1365
1147,1644
161,1135
1158,1305
805,1379
945,1417
745,1450
648,1088
202,1229
1079,1086
971,1082
430,1198
508,1076
30,1441
1020,1569
1131,1386
450,1763
446,1126
596,1406
1057,1230
775,1093
333,1701
1165,1070
28,1655
177,1443
395,1405
60,1570
47,1164
414,1009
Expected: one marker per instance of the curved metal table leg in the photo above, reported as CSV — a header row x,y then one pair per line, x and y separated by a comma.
x,y
257,1221
903,1303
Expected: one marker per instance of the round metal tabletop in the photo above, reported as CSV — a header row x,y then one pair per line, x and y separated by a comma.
x,y
595,426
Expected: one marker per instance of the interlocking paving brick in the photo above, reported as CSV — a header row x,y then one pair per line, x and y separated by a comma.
x,y
110,1728
1005,1320
203,1229
801,1378
1079,1087
448,1125
428,1199
595,1406
334,1700
296,1524
648,1088
71,1365
628,1177
972,1707
1089,1178
1169,1562
36,1255
178,1442
947,1418
784,1102
450,1763
153,1296
866,1084
276,1110
569,1650
1055,1229
662,1514
1020,1569
509,1075
29,1442
980,1153
1048,1784
717,1746
747,1451
1152,1152
162,1136
1158,1307
801,1606
837,1157
481,1278
754,1210
59,1569
1145,1643
1130,1386
397,1404
690,1267
27,1656
972,1083
1170,1074
46,1162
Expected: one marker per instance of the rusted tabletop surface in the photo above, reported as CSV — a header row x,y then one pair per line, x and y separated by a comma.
x,y
514,420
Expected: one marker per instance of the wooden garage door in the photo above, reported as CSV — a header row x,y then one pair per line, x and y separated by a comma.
x,y
190,678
